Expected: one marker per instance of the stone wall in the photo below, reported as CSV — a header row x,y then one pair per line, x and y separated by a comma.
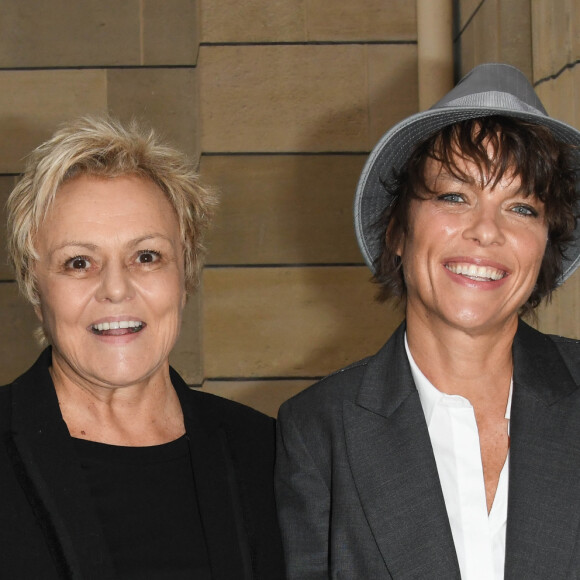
x,y
284,99
281,102
293,96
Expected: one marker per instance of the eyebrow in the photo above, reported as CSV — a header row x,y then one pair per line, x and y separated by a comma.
x,y
449,176
93,247
445,175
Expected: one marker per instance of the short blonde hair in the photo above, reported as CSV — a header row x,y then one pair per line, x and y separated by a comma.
x,y
103,147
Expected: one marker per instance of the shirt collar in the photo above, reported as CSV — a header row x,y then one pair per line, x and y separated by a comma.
x,y
430,396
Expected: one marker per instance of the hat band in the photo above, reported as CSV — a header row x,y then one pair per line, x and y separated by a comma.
x,y
494,100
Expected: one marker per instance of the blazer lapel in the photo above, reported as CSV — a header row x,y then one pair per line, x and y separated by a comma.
x,y
394,468
217,492
44,460
544,488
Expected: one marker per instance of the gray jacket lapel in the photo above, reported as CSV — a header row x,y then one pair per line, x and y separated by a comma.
x,y
392,462
544,493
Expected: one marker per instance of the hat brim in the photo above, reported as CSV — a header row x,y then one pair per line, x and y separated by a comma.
x,y
395,147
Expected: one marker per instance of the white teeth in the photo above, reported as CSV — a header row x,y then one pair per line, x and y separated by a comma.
x,y
474,272
116,325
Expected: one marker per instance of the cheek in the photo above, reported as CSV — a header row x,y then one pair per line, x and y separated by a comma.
x,y
533,247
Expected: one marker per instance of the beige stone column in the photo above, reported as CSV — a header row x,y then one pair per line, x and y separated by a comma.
x,y
435,50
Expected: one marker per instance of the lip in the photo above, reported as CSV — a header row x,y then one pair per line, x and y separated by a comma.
x,y
476,261
121,318
123,336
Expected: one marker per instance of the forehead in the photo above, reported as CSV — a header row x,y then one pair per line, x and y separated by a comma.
x,y
459,170
95,207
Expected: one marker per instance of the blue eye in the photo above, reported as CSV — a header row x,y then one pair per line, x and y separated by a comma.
x,y
525,210
451,197
148,256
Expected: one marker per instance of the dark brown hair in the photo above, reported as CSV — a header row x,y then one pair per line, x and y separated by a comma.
x,y
544,165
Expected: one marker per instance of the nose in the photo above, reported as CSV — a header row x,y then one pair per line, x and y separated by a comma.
x,y
115,284
485,227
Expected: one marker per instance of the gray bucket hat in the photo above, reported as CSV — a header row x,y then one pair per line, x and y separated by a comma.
x,y
489,89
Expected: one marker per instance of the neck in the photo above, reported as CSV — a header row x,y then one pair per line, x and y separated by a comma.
x,y
145,413
477,366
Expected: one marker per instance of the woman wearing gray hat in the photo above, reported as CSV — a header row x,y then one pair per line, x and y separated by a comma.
x,y
454,452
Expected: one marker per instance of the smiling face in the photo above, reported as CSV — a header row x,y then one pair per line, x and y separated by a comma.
x,y
110,278
473,251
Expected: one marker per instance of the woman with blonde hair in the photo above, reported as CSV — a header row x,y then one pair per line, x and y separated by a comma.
x,y
111,466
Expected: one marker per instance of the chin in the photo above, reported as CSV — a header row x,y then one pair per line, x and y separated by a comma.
x,y
472,320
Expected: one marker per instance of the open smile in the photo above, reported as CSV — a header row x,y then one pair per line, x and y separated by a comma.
x,y
475,272
118,328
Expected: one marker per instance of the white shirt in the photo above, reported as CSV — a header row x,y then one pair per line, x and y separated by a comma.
x,y
479,539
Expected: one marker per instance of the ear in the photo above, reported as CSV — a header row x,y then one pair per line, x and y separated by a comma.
x,y
398,245
399,250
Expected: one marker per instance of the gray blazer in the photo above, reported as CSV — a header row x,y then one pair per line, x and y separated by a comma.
x,y
357,486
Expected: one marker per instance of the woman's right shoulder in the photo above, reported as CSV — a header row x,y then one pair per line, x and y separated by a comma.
x,y
569,349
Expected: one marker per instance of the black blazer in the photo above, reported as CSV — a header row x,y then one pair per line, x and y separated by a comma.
x,y
48,525
357,484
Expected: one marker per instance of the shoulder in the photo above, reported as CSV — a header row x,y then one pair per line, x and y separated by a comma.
x,y
569,349
248,434
365,378
546,350
337,386
316,412
30,388
220,411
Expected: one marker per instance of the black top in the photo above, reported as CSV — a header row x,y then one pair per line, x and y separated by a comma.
x,y
146,502
49,524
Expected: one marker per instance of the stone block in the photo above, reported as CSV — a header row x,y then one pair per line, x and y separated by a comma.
x,y
170,32
253,21
485,28
163,98
555,36
7,183
367,20
18,348
468,9
290,322
186,356
465,44
498,32
393,88
307,21
560,96
562,315
264,396
515,34
298,98
60,33
283,209
34,102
